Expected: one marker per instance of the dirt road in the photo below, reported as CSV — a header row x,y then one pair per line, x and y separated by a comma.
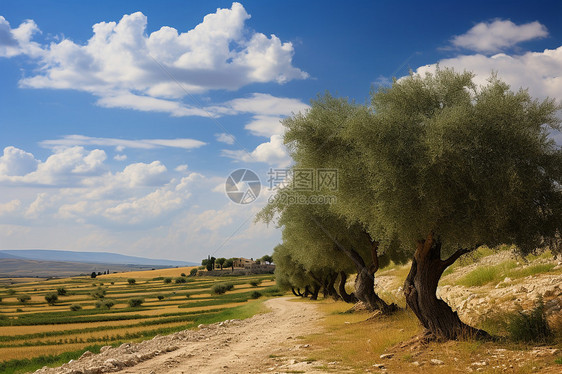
x,y
248,346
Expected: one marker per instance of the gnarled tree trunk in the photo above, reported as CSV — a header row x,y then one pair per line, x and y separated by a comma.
x,y
420,290
348,298
315,291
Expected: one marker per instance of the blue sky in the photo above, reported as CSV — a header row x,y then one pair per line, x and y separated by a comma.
x,y
120,121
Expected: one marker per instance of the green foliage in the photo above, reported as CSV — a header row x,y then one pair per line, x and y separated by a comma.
x,y
221,288
193,272
24,298
256,295
61,291
160,297
255,283
104,304
10,291
131,281
135,302
180,280
229,263
99,293
183,275
75,307
0,299
51,298
531,326
267,258
220,261
167,280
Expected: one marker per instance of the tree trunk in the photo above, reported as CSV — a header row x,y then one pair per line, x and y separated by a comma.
x,y
331,289
343,293
306,291
315,292
420,290
294,292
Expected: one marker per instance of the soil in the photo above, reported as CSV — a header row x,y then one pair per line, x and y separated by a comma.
x,y
264,343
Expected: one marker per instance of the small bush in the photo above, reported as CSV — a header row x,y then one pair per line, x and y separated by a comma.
x,y
112,283
180,280
24,298
255,283
104,304
531,326
0,299
221,288
167,280
11,291
193,272
160,297
187,296
135,302
75,307
131,281
19,310
99,293
256,295
183,275
51,298
61,291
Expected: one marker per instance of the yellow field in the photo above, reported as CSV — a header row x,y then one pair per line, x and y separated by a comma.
x,y
149,274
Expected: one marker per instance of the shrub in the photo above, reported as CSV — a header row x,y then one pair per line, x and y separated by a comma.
x,y
51,298
135,302
221,288
112,283
61,291
531,326
160,297
183,274
180,280
104,304
0,299
75,307
167,280
187,296
193,272
256,295
255,283
11,291
201,267
19,310
24,298
131,281
99,293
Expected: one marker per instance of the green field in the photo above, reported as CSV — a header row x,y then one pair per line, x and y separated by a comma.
x,y
34,333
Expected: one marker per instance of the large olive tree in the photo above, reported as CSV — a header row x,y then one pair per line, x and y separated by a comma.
x,y
452,166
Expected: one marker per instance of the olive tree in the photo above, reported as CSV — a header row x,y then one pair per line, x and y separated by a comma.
x,y
452,166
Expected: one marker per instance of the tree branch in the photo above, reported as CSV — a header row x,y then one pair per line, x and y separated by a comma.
x,y
455,256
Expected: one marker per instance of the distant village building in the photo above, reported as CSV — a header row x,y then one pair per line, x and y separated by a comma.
x,y
243,262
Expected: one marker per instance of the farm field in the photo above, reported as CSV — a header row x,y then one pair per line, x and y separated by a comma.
x,y
34,333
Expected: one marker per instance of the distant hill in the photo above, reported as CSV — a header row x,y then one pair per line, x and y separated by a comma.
x,y
16,268
88,257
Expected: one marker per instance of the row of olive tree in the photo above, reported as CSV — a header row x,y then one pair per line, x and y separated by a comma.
x,y
433,168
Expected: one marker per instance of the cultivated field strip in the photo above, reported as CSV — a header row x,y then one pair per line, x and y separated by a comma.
x,y
98,312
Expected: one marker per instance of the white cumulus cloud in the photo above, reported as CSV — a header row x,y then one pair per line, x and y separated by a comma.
x,y
491,37
225,138
272,152
126,67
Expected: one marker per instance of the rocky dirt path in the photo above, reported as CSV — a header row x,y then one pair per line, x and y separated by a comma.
x,y
247,346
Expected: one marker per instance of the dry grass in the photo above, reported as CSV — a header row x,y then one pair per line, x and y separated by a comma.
x,y
42,350
355,341
149,274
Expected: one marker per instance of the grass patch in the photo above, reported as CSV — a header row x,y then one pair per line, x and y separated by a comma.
x,y
487,274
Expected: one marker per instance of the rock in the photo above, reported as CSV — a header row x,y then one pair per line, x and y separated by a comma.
x,y
105,348
201,326
479,363
416,363
506,280
386,356
306,346
87,354
435,361
112,362
378,366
